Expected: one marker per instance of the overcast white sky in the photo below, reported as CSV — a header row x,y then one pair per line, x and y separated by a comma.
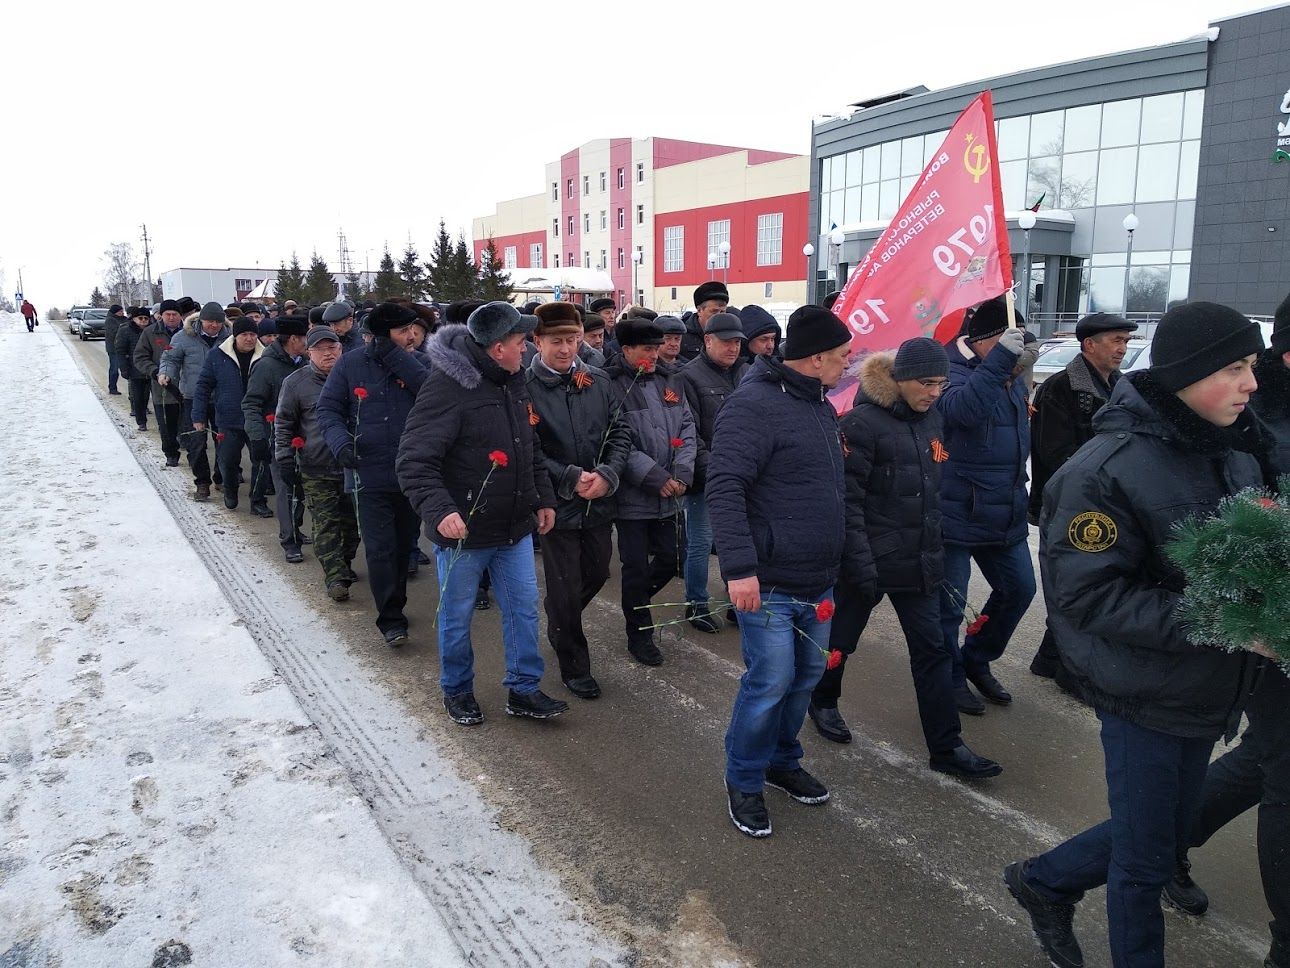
x,y
239,131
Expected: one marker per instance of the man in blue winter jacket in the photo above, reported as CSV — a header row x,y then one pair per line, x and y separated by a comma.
x,y
776,500
983,497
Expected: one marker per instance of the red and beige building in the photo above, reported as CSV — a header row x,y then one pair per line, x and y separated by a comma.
x,y
670,203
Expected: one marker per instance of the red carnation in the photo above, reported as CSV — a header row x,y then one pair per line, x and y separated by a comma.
x,y
1266,502
297,443
835,656
219,438
360,392
645,366
678,442
269,418
977,624
499,458
824,611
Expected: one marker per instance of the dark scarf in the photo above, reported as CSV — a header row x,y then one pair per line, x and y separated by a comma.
x,y
1193,431
244,363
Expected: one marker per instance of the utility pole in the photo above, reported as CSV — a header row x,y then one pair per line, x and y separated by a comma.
x,y
147,266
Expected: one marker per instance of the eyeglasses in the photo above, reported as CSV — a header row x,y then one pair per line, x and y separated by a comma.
x,y
938,385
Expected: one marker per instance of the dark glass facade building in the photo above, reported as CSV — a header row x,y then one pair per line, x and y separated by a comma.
x,y
1183,136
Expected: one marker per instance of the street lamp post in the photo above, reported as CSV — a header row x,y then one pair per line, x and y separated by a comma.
x,y
725,261
836,238
1026,221
1130,224
808,250
637,256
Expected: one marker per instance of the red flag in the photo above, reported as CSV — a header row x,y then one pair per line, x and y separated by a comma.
x,y
946,248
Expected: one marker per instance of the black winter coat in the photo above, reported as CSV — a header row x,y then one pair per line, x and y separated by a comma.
x,y
1112,594
127,338
297,416
262,389
706,387
468,408
775,483
578,426
1061,422
111,326
692,340
1271,404
152,342
390,377
893,459
220,386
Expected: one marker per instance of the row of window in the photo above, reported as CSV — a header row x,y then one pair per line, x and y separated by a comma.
x,y
770,243
604,220
586,182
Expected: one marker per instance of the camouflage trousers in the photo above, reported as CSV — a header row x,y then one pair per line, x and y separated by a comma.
x,y
334,524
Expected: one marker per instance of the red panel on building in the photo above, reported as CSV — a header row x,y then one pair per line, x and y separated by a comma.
x,y
620,156
569,212
522,242
743,242
668,152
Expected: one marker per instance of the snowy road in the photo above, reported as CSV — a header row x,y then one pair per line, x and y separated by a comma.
x,y
612,818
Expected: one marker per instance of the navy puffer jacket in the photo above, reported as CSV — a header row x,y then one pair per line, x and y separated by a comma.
x,y
987,434
220,386
775,482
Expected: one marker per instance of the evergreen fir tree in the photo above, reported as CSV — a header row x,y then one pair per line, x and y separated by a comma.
x,y
413,274
319,286
494,280
388,284
97,299
290,283
439,266
354,289
464,281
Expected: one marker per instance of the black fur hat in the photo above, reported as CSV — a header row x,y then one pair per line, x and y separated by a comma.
x,y
383,318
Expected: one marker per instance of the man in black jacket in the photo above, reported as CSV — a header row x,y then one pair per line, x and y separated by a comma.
x,y
893,449
166,403
469,463
584,453
1173,442
709,299
1061,422
116,318
707,379
776,494
259,406
127,338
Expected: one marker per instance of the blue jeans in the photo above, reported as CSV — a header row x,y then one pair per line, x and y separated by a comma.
x,y
515,585
1011,575
784,649
1154,784
698,547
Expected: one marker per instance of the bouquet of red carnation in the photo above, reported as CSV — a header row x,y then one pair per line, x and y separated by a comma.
x,y
1237,565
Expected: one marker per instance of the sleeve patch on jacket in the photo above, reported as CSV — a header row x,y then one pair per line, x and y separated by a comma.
x,y
1092,531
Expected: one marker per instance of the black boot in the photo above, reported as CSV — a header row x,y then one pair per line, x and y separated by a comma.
x,y
829,722
534,705
1052,922
964,764
1184,893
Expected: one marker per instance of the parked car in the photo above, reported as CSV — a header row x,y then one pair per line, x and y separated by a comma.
x,y
93,323
1056,354
1143,359
74,317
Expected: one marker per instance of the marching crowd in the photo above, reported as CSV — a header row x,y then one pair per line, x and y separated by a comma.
x,y
500,431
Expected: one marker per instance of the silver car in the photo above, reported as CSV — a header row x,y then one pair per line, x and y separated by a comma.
x,y
1056,354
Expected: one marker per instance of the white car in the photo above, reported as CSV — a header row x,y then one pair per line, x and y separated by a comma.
x,y
1143,359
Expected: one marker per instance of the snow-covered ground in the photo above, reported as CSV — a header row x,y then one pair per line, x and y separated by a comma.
x,y
164,796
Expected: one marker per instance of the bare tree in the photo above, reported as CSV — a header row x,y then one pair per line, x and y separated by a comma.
x,y
121,275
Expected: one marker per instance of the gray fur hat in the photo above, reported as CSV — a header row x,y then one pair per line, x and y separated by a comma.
x,y
496,320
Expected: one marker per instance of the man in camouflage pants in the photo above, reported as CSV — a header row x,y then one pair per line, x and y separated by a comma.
x,y
302,454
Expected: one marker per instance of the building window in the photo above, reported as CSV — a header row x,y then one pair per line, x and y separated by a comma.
x,y
555,191
640,214
622,179
719,232
508,257
622,259
571,262
604,260
586,221
603,180
555,227
622,218
568,188
242,285
586,184
640,171
586,259
770,239
674,248
571,225
604,219
557,260
674,292
535,255
770,290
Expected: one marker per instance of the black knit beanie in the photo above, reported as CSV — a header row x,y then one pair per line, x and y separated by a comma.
x,y
243,325
991,319
1197,339
1281,327
811,330
920,358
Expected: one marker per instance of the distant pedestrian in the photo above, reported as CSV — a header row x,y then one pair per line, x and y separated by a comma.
x,y
115,320
181,365
127,338
221,385
29,315
167,406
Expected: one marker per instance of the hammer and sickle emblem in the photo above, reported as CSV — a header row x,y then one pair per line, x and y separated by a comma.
x,y
975,160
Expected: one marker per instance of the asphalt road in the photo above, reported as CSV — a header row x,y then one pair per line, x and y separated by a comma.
x,y
623,799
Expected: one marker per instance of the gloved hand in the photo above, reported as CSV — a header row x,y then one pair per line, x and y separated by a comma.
x,y
1013,340
259,450
348,457
383,346
289,472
